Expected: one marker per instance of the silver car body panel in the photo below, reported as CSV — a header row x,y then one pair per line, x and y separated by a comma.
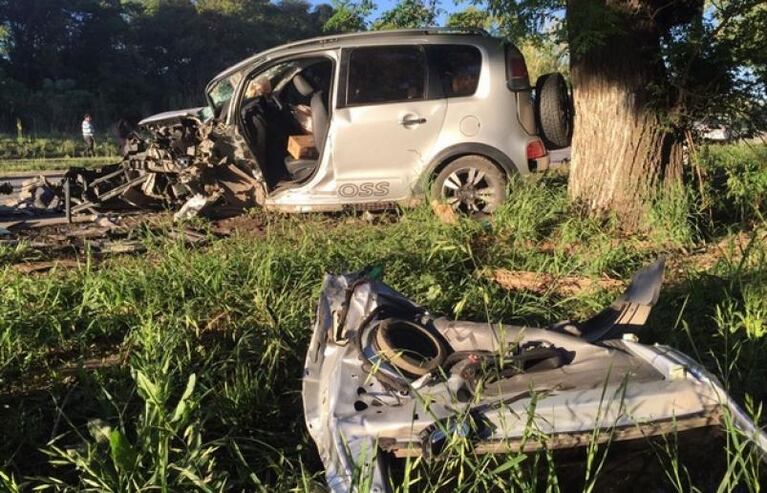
x,y
370,158
359,408
167,116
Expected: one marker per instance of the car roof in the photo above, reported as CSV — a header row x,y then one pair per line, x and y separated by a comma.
x,y
433,35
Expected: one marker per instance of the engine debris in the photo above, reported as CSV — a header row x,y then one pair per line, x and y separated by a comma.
x,y
183,164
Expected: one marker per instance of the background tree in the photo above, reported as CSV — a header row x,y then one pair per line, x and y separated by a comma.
x,y
409,14
349,16
639,79
129,58
472,17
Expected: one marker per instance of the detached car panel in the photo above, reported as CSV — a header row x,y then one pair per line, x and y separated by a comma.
x,y
384,377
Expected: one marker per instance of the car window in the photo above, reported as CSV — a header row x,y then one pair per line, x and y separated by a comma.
x,y
386,74
458,67
221,93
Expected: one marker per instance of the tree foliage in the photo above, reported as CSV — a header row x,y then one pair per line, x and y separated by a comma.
x,y
409,14
349,16
129,58
472,17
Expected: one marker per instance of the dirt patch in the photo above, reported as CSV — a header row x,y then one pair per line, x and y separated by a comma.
x,y
251,224
705,257
542,283
444,212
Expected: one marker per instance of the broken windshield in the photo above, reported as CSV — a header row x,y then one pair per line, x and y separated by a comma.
x,y
220,94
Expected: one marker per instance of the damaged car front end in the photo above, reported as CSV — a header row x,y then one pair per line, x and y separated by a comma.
x,y
180,162
385,378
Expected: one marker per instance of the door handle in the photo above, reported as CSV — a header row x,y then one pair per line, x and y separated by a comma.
x,y
412,120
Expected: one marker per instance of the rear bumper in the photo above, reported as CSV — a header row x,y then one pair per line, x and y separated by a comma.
x,y
540,164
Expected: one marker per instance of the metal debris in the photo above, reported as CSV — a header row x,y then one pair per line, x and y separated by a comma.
x,y
180,164
385,378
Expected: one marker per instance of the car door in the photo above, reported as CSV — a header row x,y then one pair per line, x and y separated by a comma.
x,y
386,122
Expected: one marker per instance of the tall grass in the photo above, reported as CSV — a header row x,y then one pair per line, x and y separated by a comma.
x,y
194,356
735,185
53,146
54,164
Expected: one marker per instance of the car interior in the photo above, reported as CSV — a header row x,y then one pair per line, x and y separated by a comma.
x,y
291,98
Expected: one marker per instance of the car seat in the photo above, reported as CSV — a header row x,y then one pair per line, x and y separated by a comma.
x,y
300,169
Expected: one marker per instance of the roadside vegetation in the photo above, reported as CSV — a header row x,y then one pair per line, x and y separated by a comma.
x,y
52,147
55,164
53,153
180,370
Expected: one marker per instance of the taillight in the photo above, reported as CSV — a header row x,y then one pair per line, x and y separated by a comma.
x,y
535,149
516,70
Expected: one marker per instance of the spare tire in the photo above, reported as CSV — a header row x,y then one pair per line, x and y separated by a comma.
x,y
554,110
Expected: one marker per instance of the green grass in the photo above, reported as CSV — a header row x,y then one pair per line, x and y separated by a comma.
x,y
213,341
45,153
735,181
53,164
52,146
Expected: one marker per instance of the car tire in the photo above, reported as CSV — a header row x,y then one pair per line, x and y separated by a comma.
x,y
470,184
554,110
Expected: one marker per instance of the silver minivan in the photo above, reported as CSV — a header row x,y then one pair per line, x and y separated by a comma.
x,y
369,120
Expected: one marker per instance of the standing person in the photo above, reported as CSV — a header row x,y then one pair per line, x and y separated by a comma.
x,y
122,132
90,143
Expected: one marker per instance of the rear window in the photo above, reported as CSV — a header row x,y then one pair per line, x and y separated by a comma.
x,y
386,74
458,67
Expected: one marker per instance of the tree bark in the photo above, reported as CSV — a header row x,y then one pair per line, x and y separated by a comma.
x,y
623,147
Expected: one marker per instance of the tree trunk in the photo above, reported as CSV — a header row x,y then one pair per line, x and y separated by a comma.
x,y
623,146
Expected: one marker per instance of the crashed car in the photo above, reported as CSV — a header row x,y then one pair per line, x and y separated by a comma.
x,y
386,378
364,120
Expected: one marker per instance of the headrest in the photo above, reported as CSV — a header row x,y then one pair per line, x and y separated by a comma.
x,y
302,85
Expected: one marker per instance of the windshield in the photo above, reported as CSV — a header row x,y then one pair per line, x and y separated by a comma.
x,y
220,94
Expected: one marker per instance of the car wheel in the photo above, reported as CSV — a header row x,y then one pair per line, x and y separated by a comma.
x,y
554,111
471,185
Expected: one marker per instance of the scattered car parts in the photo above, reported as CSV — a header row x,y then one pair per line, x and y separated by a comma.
x,y
183,160
384,377
179,163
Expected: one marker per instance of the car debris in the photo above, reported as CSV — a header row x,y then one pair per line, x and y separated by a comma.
x,y
386,378
183,163
36,196
180,163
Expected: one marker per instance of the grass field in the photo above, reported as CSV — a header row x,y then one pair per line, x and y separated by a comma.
x,y
57,152
52,146
52,164
180,370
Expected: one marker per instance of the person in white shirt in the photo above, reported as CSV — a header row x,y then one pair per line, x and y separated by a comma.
x,y
90,143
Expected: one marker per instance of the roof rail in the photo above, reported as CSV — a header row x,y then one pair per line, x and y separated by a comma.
x,y
390,32
322,40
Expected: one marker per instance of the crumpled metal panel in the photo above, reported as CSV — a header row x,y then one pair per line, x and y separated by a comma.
x,y
359,406
179,161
